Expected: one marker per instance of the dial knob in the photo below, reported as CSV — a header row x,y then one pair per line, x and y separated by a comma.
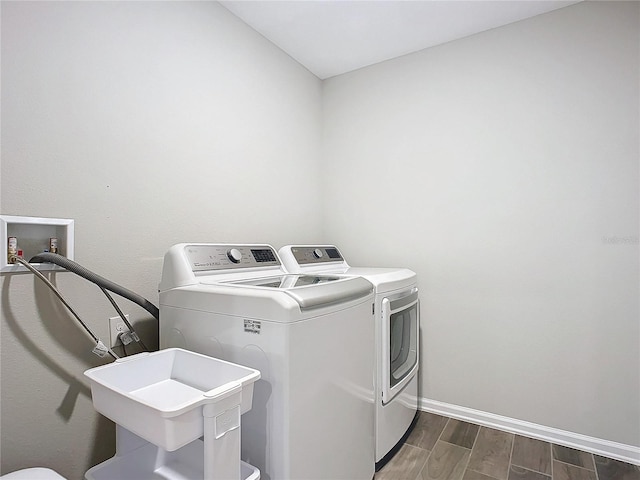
x,y
318,253
234,255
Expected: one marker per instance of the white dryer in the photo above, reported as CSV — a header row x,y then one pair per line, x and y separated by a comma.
x,y
397,320
310,336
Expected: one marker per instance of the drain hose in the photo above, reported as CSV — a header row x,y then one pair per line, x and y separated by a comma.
x,y
102,282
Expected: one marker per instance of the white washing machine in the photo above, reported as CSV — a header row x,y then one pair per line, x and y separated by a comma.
x,y
397,319
310,336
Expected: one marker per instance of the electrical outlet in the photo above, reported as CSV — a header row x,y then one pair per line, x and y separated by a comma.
x,y
116,327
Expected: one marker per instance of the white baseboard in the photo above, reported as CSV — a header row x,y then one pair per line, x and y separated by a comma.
x,y
605,448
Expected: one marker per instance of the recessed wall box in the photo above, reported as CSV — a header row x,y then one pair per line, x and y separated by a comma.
x,y
33,236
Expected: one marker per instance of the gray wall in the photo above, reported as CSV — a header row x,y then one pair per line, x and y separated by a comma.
x,y
149,124
503,168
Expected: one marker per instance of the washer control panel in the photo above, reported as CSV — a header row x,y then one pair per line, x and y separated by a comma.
x,y
306,255
203,257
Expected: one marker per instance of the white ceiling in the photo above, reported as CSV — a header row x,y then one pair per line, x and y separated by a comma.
x,y
338,36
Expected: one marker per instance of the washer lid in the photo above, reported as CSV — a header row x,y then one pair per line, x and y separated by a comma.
x,y
286,281
311,291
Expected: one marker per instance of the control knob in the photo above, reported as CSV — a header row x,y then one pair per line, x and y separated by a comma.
x,y
317,253
234,255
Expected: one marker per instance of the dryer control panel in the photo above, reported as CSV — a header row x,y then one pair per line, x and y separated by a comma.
x,y
203,257
309,254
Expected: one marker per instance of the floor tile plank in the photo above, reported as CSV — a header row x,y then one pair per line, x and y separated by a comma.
x,y
532,454
519,473
472,475
573,457
428,428
491,453
564,471
609,469
446,462
460,433
405,465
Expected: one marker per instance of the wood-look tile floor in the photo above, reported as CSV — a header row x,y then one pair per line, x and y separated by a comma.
x,y
441,448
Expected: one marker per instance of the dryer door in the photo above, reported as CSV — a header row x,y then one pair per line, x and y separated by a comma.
x,y
400,320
